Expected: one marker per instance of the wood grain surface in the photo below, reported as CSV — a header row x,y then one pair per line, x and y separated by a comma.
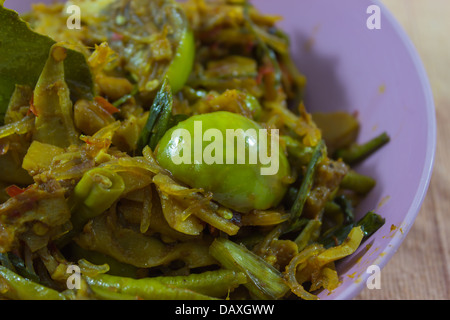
x,y
420,269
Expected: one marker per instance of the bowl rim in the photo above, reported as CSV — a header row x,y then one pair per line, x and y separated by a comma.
x,y
355,287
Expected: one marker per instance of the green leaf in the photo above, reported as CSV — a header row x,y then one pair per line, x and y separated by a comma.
x,y
23,54
159,118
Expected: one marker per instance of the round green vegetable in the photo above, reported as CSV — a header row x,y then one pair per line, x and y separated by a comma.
x,y
224,153
181,66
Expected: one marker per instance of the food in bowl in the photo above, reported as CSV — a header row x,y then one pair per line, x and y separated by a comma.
x,y
165,151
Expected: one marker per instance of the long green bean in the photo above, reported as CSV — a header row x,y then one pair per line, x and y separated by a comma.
x,y
358,183
309,234
307,182
358,152
107,294
146,288
19,288
158,119
211,283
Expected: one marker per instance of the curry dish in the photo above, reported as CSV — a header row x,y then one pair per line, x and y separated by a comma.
x,y
89,122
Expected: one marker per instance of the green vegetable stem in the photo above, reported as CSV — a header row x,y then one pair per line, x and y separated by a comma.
x,y
97,190
358,152
305,188
357,182
19,288
264,281
146,288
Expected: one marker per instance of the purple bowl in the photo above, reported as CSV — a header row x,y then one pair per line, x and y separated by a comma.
x,y
378,74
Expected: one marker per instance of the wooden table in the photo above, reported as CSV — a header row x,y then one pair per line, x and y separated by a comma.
x,y
421,267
